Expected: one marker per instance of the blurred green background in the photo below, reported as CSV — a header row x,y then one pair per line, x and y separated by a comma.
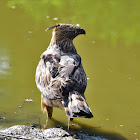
x,y
110,54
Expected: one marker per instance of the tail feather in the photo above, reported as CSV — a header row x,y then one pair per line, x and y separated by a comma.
x,y
75,106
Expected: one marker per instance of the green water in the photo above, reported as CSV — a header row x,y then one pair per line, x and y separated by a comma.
x,y
110,54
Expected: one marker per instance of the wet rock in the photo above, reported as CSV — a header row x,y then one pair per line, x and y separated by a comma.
x,y
82,136
30,133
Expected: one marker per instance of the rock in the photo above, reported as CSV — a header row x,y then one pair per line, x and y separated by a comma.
x,y
82,136
31,133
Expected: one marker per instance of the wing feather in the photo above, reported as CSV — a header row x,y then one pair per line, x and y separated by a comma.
x,y
56,77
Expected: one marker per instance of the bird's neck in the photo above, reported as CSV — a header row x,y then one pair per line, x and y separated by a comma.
x,y
64,45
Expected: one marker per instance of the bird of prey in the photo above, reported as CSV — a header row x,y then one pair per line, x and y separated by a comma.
x,y
60,75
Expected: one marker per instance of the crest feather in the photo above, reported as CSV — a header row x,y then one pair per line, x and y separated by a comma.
x,y
56,25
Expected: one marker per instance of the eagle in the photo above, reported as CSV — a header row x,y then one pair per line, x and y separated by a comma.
x,y
60,76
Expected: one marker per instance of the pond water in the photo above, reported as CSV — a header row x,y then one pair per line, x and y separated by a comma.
x,y
110,54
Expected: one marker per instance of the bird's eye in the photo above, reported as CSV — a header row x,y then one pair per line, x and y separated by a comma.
x,y
75,31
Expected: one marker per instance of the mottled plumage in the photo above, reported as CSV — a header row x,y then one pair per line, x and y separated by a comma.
x,y
60,75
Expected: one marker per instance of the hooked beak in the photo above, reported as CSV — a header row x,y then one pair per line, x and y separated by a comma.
x,y
82,31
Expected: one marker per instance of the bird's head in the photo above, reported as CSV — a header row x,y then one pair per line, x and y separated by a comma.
x,y
66,31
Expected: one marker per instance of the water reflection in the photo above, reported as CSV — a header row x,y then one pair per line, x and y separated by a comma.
x,y
76,126
4,64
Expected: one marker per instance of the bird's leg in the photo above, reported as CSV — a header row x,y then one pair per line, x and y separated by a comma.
x,y
68,123
47,119
48,111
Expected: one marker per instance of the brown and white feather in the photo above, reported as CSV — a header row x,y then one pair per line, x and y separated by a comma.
x,y
60,75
